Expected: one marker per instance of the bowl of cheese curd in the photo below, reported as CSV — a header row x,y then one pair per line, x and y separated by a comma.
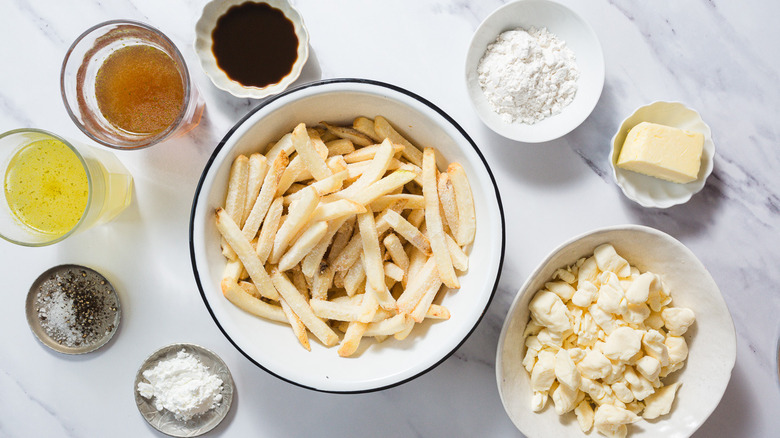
x,y
620,330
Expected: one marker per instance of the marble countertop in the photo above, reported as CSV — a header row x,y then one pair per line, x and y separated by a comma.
x,y
716,56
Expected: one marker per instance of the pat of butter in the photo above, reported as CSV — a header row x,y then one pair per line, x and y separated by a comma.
x,y
662,152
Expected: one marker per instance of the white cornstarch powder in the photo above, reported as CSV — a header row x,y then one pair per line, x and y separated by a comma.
x,y
182,385
528,76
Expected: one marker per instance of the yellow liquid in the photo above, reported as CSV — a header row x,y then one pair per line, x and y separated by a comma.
x,y
46,187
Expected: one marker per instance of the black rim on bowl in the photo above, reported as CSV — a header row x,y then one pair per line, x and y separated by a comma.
x,y
319,84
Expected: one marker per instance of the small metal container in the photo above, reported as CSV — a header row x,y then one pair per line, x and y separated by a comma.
x,y
107,314
164,420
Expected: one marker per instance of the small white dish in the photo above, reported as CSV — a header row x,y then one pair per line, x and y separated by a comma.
x,y
272,346
203,43
653,192
567,26
711,340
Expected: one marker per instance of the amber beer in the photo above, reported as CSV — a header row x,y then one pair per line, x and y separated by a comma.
x,y
126,85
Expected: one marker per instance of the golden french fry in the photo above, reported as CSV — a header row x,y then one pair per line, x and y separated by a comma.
x,y
284,144
393,271
266,196
312,263
352,338
447,201
350,134
368,153
433,221
341,146
460,260
408,231
298,328
228,228
233,270
418,285
410,202
372,256
341,239
257,169
354,278
265,241
303,245
309,154
298,215
237,188
321,282
368,307
298,304
418,314
436,311
373,173
396,251
349,255
389,326
383,186
385,130
236,295
341,208
382,296
366,126
467,223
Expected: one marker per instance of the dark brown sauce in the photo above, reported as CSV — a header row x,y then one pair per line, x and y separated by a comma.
x,y
255,44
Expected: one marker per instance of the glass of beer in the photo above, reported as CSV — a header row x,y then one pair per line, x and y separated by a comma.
x,y
53,188
126,85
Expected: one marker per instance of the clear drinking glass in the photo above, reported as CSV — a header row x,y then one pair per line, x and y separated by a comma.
x,y
82,65
109,185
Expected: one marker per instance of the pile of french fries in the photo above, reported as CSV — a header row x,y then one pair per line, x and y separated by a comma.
x,y
344,229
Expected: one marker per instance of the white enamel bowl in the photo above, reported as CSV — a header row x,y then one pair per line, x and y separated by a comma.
x,y
567,26
272,346
711,340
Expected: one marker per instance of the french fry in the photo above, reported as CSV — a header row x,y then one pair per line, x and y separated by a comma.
x,y
284,144
237,188
384,186
373,173
368,307
321,282
382,296
265,241
368,153
436,311
385,130
408,231
298,328
312,262
389,326
341,146
396,251
410,202
308,153
298,215
460,260
233,269
350,134
372,256
298,304
337,209
352,338
323,187
433,222
465,202
303,245
236,295
417,286
418,314
265,198
354,278
393,271
366,126
290,175
447,201
349,255
229,230
341,239
257,168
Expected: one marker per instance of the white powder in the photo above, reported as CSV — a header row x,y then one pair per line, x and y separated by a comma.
x,y
528,76
183,386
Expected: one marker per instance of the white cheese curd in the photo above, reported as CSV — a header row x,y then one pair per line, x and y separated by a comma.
x,y
601,337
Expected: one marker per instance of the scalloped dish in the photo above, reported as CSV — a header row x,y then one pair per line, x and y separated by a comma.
x,y
255,42
648,191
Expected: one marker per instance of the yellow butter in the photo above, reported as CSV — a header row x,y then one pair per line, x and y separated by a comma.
x,y
662,152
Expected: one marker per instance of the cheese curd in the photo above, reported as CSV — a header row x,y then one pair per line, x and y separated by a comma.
x,y
600,338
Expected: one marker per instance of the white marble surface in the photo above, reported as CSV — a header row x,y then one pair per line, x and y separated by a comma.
x,y
718,57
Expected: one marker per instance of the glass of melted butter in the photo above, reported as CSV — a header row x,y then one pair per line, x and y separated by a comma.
x,y
126,85
53,188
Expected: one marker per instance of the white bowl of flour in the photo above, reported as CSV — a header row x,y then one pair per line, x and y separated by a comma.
x,y
534,70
